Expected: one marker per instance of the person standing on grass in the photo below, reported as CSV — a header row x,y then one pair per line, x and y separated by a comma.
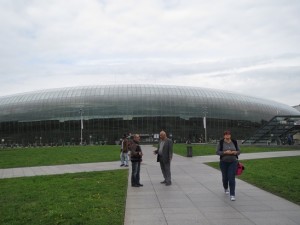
x,y
164,156
124,151
228,150
136,155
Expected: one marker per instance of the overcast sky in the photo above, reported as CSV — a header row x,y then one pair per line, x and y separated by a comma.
x,y
249,46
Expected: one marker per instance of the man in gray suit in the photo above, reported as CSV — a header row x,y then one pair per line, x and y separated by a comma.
x,y
164,156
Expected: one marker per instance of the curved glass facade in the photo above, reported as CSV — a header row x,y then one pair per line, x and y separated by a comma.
x,y
53,116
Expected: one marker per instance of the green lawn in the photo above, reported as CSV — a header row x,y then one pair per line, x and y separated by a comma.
x,y
279,176
208,149
71,199
99,197
25,157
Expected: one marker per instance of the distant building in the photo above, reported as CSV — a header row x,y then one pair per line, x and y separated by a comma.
x,y
56,116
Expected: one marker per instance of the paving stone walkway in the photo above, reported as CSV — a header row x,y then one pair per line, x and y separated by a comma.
x,y
197,197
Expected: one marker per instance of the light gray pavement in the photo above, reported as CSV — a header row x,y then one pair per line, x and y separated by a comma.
x,y
58,169
260,155
196,196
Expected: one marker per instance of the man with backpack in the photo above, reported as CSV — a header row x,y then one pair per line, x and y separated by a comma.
x,y
136,155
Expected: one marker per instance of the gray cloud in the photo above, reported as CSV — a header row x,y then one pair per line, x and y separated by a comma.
x,y
253,45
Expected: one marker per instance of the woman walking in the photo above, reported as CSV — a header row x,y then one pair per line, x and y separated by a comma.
x,y
228,150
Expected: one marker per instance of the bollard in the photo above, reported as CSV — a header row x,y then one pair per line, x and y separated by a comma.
x,y
189,151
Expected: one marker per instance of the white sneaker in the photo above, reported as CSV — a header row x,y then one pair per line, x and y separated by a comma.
x,y
226,191
232,198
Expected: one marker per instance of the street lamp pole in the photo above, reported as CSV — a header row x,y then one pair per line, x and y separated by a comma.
x,y
81,126
204,122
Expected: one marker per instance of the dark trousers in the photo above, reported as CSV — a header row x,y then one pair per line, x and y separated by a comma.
x,y
135,174
166,170
228,175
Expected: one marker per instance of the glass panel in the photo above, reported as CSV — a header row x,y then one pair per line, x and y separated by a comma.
x,y
109,111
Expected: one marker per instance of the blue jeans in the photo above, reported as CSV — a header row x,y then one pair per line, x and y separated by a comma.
x,y
124,158
228,175
135,174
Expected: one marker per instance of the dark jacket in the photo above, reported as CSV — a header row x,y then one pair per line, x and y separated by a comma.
x,y
167,153
135,149
125,145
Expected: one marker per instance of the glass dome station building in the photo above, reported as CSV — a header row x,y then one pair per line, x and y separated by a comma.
x,y
102,114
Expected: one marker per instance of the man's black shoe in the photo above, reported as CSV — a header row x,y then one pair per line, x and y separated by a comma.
x,y
135,185
168,184
163,182
141,185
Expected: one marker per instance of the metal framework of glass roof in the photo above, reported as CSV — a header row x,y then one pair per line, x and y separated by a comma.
x,y
276,130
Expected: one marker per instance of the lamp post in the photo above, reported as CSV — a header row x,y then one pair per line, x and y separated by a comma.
x,y
204,110
81,125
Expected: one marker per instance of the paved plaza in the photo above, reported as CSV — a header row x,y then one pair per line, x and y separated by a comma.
x,y
195,197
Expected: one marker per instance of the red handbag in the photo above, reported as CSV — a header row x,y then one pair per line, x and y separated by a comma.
x,y
239,169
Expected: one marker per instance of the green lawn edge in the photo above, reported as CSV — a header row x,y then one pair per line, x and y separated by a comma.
x,y
210,149
47,156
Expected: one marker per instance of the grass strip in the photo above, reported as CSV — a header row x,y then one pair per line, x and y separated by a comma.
x,y
208,149
69,199
279,176
46,156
